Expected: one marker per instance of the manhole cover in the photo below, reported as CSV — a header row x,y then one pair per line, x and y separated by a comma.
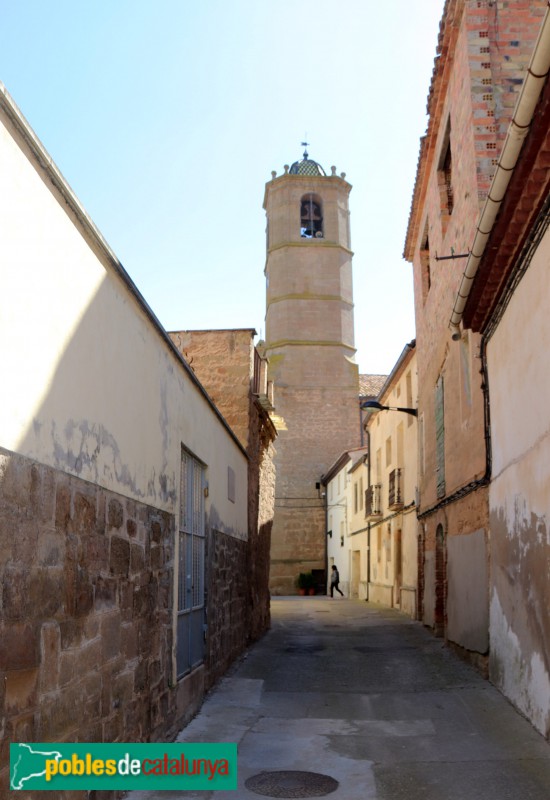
x,y
291,784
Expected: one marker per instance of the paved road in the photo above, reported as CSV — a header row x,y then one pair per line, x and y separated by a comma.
x,y
371,699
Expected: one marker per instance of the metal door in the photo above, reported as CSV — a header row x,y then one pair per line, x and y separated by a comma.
x,y
190,625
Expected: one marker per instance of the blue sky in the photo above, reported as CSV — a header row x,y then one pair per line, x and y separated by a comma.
x,y
167,117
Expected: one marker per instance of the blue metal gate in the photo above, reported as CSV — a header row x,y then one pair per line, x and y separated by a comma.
x,y
190,626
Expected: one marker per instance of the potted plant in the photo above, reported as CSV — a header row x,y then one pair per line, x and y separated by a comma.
x,y
305,583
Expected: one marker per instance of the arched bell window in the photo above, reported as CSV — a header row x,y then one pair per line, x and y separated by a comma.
x,y
311,217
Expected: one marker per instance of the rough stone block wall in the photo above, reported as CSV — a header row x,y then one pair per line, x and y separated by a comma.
x,y
261,503
86,613
223,362
227,611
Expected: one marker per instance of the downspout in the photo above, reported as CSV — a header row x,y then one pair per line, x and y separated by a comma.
x,y
537,73
367,434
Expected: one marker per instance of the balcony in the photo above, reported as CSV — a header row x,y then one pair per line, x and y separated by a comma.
x,y
261,387
395,495
373,497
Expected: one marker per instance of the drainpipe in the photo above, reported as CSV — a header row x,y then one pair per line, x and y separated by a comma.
x,y
537,73
367,434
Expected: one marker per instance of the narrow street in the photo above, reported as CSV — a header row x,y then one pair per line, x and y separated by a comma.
x,y
370,698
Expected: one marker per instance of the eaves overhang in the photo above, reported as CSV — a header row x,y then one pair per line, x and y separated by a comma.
x,y
437,94
525,196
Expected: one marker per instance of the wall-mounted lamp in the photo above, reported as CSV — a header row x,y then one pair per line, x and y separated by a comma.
x,y
372,405
329,533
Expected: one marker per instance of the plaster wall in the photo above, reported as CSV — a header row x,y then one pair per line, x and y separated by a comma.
x,y
91,386
467,591
393,445
358,531
338,545
519,496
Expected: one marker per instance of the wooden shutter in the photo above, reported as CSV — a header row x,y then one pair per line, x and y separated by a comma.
x,y
440,437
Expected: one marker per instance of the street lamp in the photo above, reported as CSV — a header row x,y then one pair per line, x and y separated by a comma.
x,y
373,405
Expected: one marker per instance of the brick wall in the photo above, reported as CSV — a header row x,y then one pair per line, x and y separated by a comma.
x,y
484,49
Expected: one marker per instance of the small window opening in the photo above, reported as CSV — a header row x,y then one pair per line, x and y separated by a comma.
x,y
425,263
445,174
311,217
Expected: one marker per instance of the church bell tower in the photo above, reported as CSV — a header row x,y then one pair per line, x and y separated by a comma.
x,y
310,349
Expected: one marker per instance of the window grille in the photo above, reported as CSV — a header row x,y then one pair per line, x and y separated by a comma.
x,y
190,585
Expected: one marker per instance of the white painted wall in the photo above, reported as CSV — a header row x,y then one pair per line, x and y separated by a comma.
x,y
89,385
519,494
358,526
338,551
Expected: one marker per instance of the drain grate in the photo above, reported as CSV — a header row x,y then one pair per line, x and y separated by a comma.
x,y
291,784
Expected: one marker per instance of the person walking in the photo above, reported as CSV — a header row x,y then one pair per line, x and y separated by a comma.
x,y
334,581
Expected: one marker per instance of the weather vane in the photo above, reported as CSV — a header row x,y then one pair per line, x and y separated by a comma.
x,y
305,144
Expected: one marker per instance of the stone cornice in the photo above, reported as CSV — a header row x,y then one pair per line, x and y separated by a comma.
x,y
309,243
331,298
308,343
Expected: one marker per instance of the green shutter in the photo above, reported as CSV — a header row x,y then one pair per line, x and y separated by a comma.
x,y
440,437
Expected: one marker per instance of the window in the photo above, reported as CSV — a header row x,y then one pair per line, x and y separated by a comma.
x,y
355,498
425,263
388,451
361,494
408,383
311,217
400,444
421,449
231,484
445,179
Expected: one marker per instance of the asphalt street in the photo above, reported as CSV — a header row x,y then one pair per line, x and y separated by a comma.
x,y
374,704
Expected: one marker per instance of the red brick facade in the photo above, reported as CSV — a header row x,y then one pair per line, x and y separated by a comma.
x,y
483,50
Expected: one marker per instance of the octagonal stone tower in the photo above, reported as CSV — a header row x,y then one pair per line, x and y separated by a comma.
x,y
310,348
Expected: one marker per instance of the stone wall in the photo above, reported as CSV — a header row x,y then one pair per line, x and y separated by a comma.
x,y
261,503
86,613
223,360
